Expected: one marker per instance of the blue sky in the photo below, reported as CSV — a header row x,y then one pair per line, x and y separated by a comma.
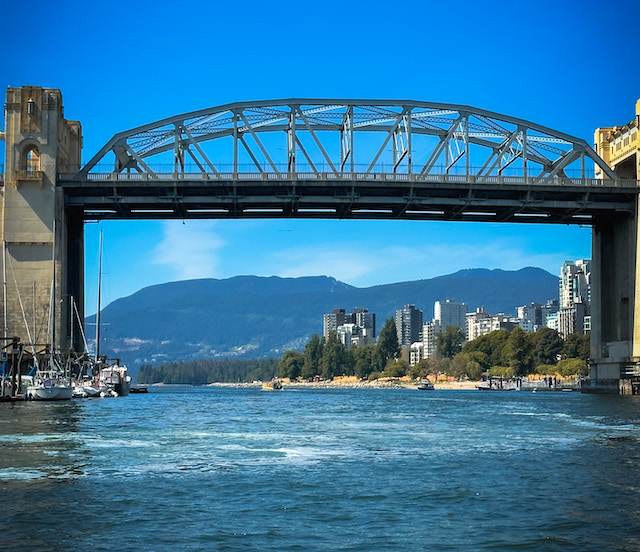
x,y
568,65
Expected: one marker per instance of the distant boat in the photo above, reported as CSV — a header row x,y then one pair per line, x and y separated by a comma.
x,y
274,385
138,389
426,386
114,380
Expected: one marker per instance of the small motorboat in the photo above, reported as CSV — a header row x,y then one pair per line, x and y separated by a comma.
x,y
426,386
274,385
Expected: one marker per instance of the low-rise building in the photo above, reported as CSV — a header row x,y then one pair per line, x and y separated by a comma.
x,y
482,323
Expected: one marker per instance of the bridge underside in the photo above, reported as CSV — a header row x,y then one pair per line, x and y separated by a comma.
x,y
380,197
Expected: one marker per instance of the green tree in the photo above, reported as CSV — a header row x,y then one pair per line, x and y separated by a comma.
x,y
334,360
502,371
577,346
546,369
491,345
290,365
395,368
548,346
517,352
449,343
365,360
420,370
388,346
466,365
572,366
312,356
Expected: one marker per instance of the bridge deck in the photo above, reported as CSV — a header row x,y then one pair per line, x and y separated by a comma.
x,y
348,195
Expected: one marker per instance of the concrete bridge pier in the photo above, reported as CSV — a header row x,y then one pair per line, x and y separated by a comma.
x,y
615,304
40,143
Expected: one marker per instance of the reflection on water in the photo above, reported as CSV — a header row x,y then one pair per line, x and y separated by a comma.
x,y
241,469
39,440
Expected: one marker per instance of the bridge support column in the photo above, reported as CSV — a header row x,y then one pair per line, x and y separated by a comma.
x,y
615,305
40,143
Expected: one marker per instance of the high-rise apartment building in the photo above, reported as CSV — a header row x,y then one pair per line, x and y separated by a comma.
x,y
366,320
430,332
332,320
354,329
408,325
451,313
575,297
575,283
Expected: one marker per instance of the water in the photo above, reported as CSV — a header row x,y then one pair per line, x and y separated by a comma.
x,y
198,469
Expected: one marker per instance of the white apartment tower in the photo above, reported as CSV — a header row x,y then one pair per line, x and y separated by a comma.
x,y
575,297
451,313
575,283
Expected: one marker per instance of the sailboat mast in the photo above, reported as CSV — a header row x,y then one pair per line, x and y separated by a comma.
x,y
99,297
4,286
52,309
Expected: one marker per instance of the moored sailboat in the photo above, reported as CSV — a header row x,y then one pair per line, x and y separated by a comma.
x,y
51,382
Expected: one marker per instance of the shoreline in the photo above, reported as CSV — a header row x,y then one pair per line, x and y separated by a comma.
x,y
455,385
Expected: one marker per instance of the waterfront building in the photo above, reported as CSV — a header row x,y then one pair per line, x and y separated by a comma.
x,y
430,332
473,322
450,313
408,325
572,320
332,320
416,353
575,283
549,312
366,320
446,313
530,317
575,297
482,323
353,329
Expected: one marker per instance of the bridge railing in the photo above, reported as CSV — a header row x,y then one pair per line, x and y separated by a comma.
x,y
344,176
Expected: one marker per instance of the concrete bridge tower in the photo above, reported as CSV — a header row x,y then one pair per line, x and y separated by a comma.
x,y
39,144
615,333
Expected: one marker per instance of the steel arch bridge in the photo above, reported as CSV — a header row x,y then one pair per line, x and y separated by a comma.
x,y
310,158
415,138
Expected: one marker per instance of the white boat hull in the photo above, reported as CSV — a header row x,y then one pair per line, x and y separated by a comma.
x,y
38,393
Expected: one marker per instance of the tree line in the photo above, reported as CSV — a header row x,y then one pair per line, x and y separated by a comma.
x,y
504,353
202,372
508,354
327,357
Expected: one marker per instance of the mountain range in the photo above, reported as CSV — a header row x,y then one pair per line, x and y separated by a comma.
x,y
251,316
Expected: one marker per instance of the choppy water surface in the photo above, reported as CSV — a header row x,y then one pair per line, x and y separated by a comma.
x,y
193,469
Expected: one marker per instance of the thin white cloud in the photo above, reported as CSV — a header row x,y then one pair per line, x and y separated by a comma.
x,y
190,250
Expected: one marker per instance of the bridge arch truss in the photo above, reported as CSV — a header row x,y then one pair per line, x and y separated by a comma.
x,y
341,139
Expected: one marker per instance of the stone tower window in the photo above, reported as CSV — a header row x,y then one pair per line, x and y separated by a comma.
x,y
32,159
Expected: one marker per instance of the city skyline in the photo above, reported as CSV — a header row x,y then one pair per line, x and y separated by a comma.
x,y
467,71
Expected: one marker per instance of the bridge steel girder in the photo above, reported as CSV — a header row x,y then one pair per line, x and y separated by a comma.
x,y
369,198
